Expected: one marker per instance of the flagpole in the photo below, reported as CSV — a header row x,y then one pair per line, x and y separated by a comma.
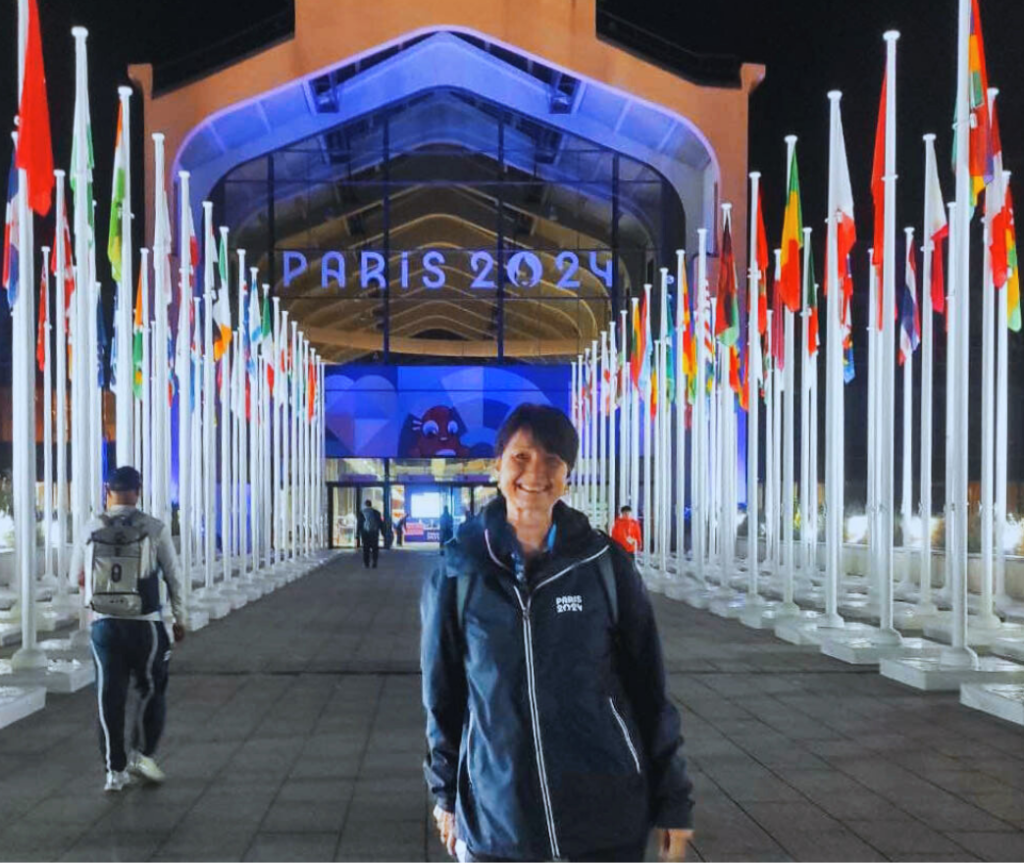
x,y
285,433
958,654
788,606
886,634
907,483
925,604
778,433
253,428
595,443
949,515
146,424
183,370
874,374
161,299
267,348
125,447
634,433
806,540
59,251
834,394
44,315
1002,328
753,408
294,442
680,430
601,514
700,449
648,519
985,619
664,471
768,370
611,452
623,435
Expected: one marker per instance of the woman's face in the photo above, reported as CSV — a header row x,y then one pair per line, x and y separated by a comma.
x,y
531,478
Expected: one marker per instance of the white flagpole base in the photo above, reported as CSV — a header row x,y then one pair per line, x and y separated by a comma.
x,y
17,702
1004,700
56,675
937,674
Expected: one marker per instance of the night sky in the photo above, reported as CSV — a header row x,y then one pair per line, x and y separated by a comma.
x,y
808,48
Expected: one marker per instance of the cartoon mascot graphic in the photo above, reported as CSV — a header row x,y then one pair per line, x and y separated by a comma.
x,y
434,435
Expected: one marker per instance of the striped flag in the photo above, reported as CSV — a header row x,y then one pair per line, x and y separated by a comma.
x,y
727,313
936,230
792,240
11,250
811,305
115,237
34,152
910,316
980,151
44,317
1013,280
137,338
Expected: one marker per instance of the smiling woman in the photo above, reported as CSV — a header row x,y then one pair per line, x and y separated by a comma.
x,y
550,732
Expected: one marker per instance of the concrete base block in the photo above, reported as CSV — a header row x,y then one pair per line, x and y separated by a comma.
x,y
680,588
906,617
237,598
17,702
50,620
700,598
766,615
60,675
10,634
198,619
861,650
1004,700
1009,648
1013,611
213,605
941,629
65,648
928,674
730,607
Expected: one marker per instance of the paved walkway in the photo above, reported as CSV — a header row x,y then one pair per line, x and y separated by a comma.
x,y
296,733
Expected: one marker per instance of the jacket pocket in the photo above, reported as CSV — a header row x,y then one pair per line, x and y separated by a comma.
x,y
625,733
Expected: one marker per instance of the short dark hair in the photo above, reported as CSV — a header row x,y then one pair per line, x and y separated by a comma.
x,y
626,508
551,428
367,503
124,478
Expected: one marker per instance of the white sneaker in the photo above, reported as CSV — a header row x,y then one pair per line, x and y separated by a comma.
x,y
145,767
117,780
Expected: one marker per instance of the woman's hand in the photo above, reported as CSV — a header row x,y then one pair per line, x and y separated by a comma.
x,y
445,822
672,844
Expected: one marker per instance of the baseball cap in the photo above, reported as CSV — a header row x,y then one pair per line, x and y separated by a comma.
x,y
124,479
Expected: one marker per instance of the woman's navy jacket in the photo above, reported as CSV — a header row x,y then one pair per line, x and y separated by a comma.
x,y
549,730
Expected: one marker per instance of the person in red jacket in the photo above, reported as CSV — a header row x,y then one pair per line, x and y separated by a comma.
x,y
626,531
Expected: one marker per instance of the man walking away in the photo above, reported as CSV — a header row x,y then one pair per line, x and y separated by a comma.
x,y
626,531
122,559
400,531
372,530
447,528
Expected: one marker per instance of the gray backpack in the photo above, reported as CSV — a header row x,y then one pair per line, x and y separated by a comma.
x,y
124,582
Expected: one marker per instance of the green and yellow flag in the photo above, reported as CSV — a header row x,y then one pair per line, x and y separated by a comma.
x,y
114,238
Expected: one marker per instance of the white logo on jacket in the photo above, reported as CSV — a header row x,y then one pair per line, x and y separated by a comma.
x,y
569,603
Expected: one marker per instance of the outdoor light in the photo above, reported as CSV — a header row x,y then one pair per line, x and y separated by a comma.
x,y
857,528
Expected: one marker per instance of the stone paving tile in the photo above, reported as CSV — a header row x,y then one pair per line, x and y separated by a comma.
x,y
897,838
991,846
292,846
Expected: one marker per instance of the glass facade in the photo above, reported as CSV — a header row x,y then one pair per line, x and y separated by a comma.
x,y
497,237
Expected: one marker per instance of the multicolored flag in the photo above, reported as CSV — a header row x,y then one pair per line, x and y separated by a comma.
x,y
936,231
62,227
727,312
44,317
11,242
1013,261
762,266
137,340
222,305
910,317
811,305
878,189
995,206
980,152
646,346
115,238
778,352
637,347
792,240
268,334
670,361
35,148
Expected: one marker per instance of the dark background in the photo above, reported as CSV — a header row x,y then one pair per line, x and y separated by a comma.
x,y
808,46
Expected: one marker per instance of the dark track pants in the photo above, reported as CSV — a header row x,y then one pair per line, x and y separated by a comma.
x,y
371,548
122,649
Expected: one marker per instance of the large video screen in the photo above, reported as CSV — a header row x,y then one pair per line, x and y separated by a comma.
x,y
431,411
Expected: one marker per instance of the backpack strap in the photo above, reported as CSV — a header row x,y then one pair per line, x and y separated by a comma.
x,y
607,570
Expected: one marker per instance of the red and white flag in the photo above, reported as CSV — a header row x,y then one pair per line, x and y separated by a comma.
x,y
35,149
936,230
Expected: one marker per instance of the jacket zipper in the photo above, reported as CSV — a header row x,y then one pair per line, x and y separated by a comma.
x,y
625,734
531,682
469,743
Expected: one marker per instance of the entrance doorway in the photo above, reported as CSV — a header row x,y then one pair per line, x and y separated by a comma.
x,y
419,506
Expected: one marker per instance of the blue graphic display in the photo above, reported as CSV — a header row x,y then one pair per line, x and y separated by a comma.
x,y
431,411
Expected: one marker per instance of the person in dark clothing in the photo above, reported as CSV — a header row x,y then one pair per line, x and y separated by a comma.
x,y
371,529
447,528
550,732
400,531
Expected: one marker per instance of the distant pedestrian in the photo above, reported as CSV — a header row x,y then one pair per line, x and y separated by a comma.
x,y
123,558
371,530
447,528
400,530
626,531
